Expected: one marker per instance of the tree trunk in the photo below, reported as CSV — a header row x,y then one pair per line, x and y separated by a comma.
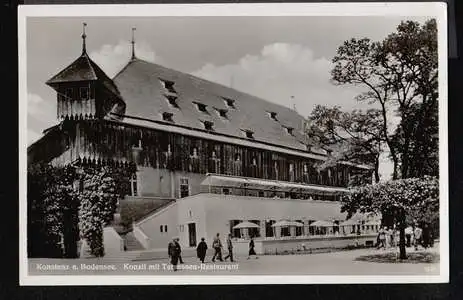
x,y
377,178
403,254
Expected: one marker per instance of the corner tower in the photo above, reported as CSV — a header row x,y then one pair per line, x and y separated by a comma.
x,y
84,91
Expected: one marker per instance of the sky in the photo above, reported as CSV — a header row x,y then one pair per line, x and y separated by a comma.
x,y
275,58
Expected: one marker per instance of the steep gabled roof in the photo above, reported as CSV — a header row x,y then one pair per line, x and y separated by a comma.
x,y
144,87
83,69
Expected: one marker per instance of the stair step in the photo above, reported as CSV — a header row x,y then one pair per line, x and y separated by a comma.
x,y
131,242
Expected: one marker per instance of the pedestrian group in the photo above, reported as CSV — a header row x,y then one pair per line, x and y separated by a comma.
x,y
175,250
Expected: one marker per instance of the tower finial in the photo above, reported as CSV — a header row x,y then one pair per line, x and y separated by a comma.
x,y
84,48
133,42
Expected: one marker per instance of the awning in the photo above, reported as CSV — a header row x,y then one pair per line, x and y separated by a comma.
x,y
323,224
246,224
286,223
253,183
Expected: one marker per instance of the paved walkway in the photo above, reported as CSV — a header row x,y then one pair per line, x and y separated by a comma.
x,y
334,263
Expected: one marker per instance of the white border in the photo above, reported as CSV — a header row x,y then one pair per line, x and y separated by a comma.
x,y
437,10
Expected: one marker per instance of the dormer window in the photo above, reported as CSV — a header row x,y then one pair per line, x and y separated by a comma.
x,y
272,115
169,86
208,125
289,130
222,112
229,102
201,106
167,116
172,100
84,93
248,133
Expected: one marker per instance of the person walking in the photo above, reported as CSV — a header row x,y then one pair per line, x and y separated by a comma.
x,y
174,252
230,248
251,248
426,236
201,250
382,238
217,245
408,236
179,250
417,235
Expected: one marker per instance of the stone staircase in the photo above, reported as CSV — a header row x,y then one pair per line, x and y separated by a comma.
x,y
131,242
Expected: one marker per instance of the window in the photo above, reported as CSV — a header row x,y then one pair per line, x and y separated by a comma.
x,y
182,228
226,191
248,133
172,100
133,185
161,228
169,86
298,228
165,228
167,116
208,125
261,194
84,93
68,93
289,130
222,112
184,187
237,157
272,115
230,102
201,106
285,231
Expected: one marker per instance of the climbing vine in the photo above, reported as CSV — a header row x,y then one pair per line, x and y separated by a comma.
x,y
65,203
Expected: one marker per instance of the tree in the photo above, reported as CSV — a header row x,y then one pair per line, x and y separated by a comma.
x,y
399,75
51,207
59,207
103,186
355,136
415,197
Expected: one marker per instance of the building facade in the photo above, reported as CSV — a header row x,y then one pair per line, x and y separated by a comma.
x,y
207,156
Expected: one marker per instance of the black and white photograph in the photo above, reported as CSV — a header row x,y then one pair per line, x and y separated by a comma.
x,y
206,144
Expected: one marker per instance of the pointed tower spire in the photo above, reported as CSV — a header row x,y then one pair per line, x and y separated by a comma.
x,y
133,42
84,36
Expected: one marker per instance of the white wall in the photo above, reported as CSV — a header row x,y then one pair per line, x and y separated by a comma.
x,y
112,241
220,209
191,210
150,226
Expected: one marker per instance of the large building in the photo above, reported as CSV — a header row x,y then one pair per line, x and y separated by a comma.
x,y
208,157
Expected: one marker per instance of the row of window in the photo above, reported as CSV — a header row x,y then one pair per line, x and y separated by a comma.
x,y
171,97
272,194
83,93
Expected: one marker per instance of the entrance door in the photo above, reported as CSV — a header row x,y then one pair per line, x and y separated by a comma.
x,y
192,234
